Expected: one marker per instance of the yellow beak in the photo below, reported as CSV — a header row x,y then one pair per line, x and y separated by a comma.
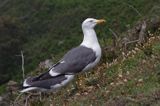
x,y
100,21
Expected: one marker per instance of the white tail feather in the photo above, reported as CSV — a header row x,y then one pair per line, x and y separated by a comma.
x,y
28,89
25,84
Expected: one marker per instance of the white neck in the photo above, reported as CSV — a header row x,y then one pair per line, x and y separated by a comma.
x,y
90,37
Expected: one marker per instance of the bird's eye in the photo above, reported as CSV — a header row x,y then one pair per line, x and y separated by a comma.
x,y
91,21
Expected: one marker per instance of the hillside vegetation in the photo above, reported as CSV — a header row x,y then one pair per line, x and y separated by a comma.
x,y
133,80
46,29
51,27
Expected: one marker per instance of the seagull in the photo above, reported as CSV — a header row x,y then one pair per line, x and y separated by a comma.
x,y
77,60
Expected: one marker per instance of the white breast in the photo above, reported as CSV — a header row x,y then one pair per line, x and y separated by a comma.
x,y
90,41
96,48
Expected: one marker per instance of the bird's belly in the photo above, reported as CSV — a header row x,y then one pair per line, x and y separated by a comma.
x,y
91,65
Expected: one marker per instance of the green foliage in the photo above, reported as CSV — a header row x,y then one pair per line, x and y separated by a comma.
x,y
2,89
11,43
54,26
156,48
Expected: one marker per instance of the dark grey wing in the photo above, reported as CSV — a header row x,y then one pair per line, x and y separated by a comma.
x,y
45,83
75,60
53,83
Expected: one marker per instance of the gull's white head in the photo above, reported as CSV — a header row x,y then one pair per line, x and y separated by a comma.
x,y
91,22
